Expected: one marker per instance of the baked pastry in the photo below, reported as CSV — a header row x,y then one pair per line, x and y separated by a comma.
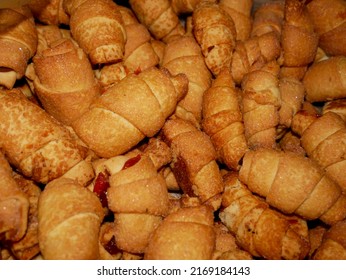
x,y
69,219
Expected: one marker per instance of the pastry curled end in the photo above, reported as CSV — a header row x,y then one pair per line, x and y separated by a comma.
x,y
194,161
186,234
18,43
133,109
251,220
98,28
293,184
215,32
69,219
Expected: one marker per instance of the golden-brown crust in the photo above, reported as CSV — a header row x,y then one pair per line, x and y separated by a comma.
x,y
33,141
65,82
184,55
69,218
158,17
298,27
240,11
249,217
194,159
323,80
329,22
14,205
333,245
277,175
18,44
186,234
260,107
215,32
98,28
222,119
134,108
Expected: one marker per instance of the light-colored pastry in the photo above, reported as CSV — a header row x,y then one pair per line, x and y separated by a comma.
x,y
18,43
183,55
159,17
261,101
64,81
223,120
268,17
34,142
293,184
333,245
186,234
253,54
226,247
259,229
138,197
69,219
14,205
215,32
133,109
325,80
194,161
323,139
240,11
330,24
297,28
98,28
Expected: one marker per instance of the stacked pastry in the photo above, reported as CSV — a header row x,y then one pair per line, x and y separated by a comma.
x,y
197,129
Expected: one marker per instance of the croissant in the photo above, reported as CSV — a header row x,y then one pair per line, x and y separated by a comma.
x,y
186,234
324,80
240,11
14,205
215,32
268,17
69,219
28,247
138,197
33,141
330,24
297,28
293,184
98,28
253,54
159,17
139,53
323,139
126,113
183,55
223,121
18,43
49,12
64,81
226,247
251,219
261,101
194,161
333,244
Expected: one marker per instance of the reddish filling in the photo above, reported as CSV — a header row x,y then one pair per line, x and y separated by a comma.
x,y
131,162
111,247
100,187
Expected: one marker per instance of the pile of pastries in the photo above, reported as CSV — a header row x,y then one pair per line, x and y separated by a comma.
x,y
173,129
